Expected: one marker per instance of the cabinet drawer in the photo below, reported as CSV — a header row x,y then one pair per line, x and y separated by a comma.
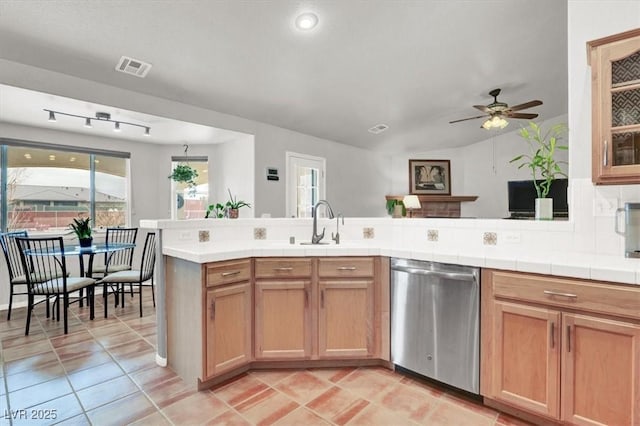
x,y
283,267
220,273
346,267
618,300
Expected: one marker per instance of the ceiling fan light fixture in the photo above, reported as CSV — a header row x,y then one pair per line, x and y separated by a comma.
x,y
495,122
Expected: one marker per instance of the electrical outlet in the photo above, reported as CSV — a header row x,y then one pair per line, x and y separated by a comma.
x,y
510,237
604,206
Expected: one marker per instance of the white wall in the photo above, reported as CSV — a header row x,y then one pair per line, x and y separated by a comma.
x,y
232,166
357,179
480,169
351,171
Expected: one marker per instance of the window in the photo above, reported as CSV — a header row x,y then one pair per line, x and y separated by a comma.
x,y
191,202
45,186
305,183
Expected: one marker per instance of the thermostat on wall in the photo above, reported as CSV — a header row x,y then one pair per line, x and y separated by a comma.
x,y
272,174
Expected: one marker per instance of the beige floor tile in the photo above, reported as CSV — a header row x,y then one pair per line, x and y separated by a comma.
x,y
302,386
195,409
302,416
266,407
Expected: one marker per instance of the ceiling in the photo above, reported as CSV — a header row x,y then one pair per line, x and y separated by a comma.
x,y
413,65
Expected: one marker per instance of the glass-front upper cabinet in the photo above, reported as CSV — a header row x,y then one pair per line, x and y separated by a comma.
x,y
615,78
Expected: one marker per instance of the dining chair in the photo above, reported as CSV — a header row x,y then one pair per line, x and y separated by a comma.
x,y
116,281
44,261
121,260
14,265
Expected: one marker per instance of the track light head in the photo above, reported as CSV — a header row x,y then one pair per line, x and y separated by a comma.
x,y
87,123
147,131
117,127
52,116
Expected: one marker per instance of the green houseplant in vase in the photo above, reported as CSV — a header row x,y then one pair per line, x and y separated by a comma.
x,y
82,229
215,211
234,205
541,161
396,208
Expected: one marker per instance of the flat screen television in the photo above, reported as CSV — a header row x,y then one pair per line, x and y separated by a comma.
x,y
522,198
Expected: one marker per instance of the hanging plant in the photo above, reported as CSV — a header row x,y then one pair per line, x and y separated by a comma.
x,y
184,173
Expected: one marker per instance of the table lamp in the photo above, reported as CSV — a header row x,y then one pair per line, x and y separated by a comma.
x,y
411,202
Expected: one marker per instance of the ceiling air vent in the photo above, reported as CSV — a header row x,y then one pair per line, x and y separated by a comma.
x,y
132,66
379,128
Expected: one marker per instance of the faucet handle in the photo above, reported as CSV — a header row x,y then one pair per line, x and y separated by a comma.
x,y
336,238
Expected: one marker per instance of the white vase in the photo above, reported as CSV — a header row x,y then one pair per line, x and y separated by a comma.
x,y
544,208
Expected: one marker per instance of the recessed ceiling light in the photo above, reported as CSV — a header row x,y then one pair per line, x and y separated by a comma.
x,y
306,21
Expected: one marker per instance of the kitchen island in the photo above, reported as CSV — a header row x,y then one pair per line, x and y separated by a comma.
x,y
262,303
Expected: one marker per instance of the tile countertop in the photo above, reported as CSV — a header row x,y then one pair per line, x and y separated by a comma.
x,y
577,265
500,244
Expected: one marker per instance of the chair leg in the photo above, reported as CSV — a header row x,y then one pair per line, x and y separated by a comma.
x,y
58,308
47,303
81,296
140,297
105,297
121,291
10,301
66,306
91,292
131,289
29,310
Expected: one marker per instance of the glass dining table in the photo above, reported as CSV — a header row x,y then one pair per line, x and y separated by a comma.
x,y
81,252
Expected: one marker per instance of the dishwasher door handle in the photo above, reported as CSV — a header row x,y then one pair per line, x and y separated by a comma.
x,y
467,276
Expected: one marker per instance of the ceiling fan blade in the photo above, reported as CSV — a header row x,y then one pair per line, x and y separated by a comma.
x,y
482,108
465,119
525,105
520,115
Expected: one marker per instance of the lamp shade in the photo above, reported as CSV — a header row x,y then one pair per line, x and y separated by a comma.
x,y
411,202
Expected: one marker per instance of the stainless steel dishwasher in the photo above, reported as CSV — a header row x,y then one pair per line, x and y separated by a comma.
x,y
435,321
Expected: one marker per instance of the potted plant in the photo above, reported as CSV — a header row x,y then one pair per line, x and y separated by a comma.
x,y
542,163
214,211
233,205
396,208
184,173
82,230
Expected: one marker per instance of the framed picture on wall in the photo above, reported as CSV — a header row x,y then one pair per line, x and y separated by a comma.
x,y
430,177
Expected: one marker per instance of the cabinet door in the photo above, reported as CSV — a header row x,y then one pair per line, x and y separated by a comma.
x,y
616,111
228,328
601,371
283,319
526,361
345,319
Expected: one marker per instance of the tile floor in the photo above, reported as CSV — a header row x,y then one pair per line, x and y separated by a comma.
x,y
103,373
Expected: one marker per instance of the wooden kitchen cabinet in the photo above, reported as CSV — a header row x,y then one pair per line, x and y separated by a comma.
x,y
346,307
345,320
565,349
283,308
283,319
526,361
228,317
615,82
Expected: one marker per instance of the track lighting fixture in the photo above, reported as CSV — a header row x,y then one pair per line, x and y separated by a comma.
x,y
100,116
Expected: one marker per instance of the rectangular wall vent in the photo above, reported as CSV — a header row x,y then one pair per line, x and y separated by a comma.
x,y
378,129
133,66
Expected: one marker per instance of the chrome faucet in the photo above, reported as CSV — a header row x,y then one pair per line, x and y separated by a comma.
x,y
315,238
336,238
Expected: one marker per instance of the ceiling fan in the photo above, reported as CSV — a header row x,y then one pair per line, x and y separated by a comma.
x,y
496,112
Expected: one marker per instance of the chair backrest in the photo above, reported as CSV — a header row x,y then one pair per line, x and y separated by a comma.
x,y
12,252
120,235
45,262
148,257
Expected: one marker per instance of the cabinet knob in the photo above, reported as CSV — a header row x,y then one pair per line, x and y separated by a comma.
x,y
605,153
283,269
228,274
346,268
213,310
